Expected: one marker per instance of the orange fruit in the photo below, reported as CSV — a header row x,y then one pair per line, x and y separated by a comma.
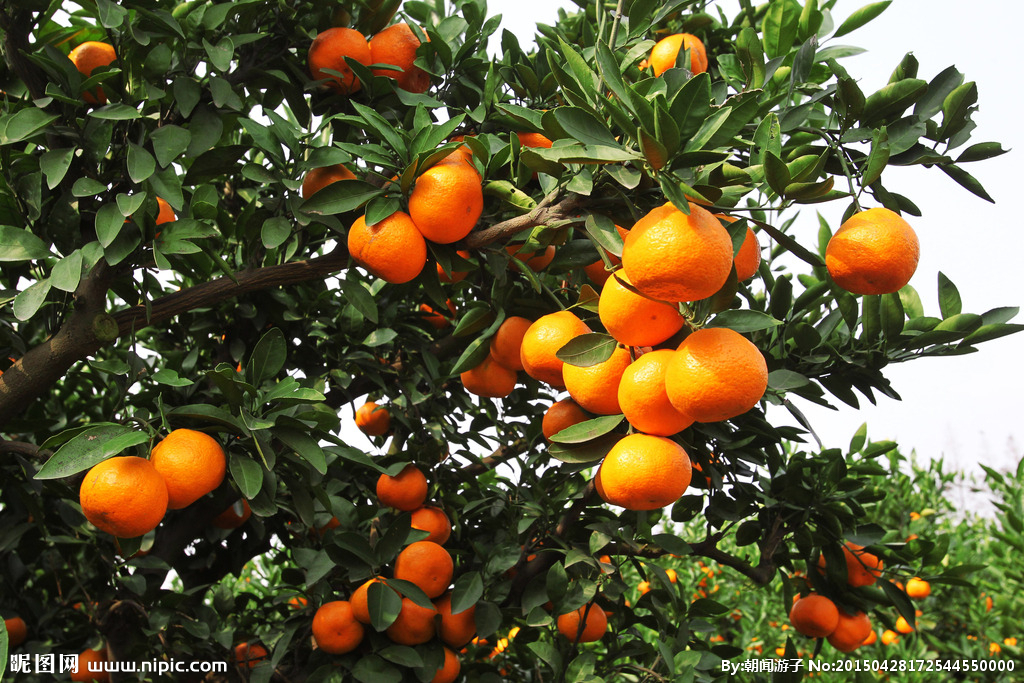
x,y
643,398
427,565
716,374
88,56
329,50
560,415
124,496
414,625
748,258
319,178
903,626
862,568
596,388
406,491
666,51
851,631
508,340
392,249
235,516
434,521
872,638
644,472
165,214
95,658
490,379
456,276
533,140
530,258
17,631
298,602
583,625
192,463
635,320
358,600
456,629
396,45
335,628
873,252
249,655
542,341
373,420
596,270
447,200
449,670
889,637
435,319
918,589
670,256
815,616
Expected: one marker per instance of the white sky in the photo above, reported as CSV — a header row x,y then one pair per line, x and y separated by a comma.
x,y
965,408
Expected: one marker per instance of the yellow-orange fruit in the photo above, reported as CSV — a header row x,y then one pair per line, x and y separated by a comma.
x,y
715,375
666,51
392,249
596,388
17,631
636,320
434,521
329,50
373,419
560,415
455,629
815,616
396,45
542,341
449,669
319,178
87,57
405,491
873,252
918,589
427,565
851,632
584,625
447,200
335,629
644,472
643,398
94,657
414,625
235,516
192,464
124,496
508,340
490,379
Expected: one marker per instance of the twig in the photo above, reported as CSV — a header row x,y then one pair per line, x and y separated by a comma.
x,y
541,215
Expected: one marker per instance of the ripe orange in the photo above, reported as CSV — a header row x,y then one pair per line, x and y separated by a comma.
x,y
298,602
815,616
329,50
542,341
88,56
319,178
95,658
903,626
583,625
851,632
670,256
335,629
406,491
165,214
508,340
534,262
643,398
871,639
490,379
392,249
358,600
635,320
889,637
455,276
666,51
17,631
862,568
874,252
918,589
192,463
427,565
447,200
533,140
644,472
249,655
124,496
456,629
396,45
436,319
235,516
449,670
716,374
748,258
434,521
414,625
560,415
596,388
373,420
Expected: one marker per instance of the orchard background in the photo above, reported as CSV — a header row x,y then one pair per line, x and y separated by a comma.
x,y
246,317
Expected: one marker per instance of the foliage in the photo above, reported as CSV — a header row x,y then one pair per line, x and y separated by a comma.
x,y
246,318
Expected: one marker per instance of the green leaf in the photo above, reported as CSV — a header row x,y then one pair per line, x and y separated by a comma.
x,y
751,56
109,222
87,187
115,112
384,605
373,669
401,655
776,173
878,158
861,17
583,126
786,380
88,448
938,89
380,337
170,378
744,320
28,301
587,350
590,451
209,413
547,652
966,180
340,197
25,124
587,430
780,26
66,275
247,473
141,164
268,357
356,293
956,110
18,245
892,315
980,152
54,165
111,15
275,231
304,445
892,100
468,590
949,297
169,142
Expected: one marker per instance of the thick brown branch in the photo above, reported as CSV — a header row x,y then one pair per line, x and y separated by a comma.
x,y
26,450
538,216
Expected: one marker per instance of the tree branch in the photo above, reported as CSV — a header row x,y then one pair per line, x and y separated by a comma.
x,y
502,454
538,216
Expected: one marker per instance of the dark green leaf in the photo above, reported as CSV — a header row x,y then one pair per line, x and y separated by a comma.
x,y
949,297
780,26
88,448
340,197
247,474
28,301
54,165
109,223
583,126
169,142
384,605
468,590
268,357
303,444
20,245
938,89
115,112
373,669
25,124
743,320
892,100
587,350
275,231
966,180
980,152
956,110
66,275
591,451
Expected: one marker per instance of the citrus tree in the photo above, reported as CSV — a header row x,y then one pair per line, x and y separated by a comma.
x,y
227,228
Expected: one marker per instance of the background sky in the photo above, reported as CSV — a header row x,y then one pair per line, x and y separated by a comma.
x,y
967,408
